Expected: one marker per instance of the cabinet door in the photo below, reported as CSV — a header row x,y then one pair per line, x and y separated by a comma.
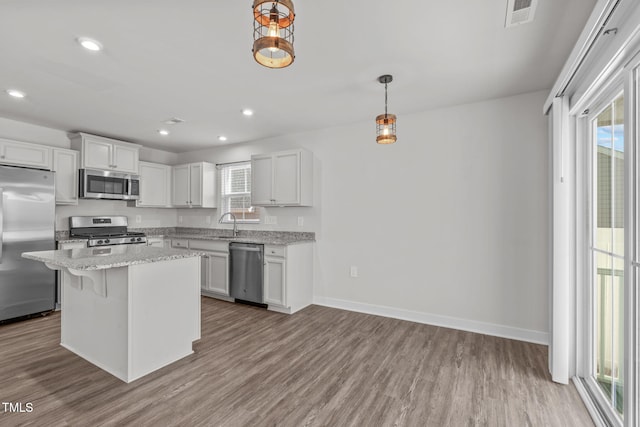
x,y
261,180
65,165
286,178
195,184
97,154
125,159
274,281
154,180
25,154
204,272
218,273
180,188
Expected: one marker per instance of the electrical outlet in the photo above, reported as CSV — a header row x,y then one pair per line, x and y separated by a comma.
x,y
138,219
271,220
300,221
208,219
180,219
354,271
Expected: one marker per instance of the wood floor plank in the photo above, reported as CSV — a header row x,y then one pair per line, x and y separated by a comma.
x,y
318,367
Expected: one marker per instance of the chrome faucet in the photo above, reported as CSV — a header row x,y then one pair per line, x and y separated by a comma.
x,y
235,224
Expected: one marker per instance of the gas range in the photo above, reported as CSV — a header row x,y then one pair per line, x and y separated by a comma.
x,y
104,231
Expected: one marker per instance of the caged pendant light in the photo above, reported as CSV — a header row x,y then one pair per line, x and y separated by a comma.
x,y
386,123
273,32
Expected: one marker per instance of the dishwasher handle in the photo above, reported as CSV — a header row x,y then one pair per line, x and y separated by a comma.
x,y
244,248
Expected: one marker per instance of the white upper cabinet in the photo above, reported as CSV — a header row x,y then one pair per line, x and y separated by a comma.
x,y
65,165
98,152
155,185
194,185
25,154
284,178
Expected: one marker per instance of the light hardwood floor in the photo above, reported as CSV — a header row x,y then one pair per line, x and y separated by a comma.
x,y
319,367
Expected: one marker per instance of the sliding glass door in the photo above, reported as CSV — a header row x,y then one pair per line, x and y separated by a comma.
x,y
609,316
607,308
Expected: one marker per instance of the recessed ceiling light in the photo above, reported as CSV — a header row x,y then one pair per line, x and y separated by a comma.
x,y
90,44
163,132
16,93
247,112
222,138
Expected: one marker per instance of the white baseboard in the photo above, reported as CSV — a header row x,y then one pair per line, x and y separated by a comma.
x,y
519,334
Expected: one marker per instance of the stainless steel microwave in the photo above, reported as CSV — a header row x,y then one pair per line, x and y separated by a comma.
x,y
100,184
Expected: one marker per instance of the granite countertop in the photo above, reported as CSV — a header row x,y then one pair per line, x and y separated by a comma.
x,y
108,256
265,240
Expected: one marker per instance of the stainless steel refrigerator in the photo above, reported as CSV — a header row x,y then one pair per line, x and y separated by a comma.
x,y
27,223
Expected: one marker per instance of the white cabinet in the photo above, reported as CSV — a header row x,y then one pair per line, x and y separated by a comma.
x,y
194,185
180,243
215,267
65,165
284,178
155,185
157,242
98,152
288,277
215,273
275,281
25,154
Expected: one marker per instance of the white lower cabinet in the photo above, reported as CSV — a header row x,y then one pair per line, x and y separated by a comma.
x,y
157,242
215,267
275,291
216,273
288,277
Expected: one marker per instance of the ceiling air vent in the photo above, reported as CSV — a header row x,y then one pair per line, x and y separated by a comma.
x,y
520,12
173,121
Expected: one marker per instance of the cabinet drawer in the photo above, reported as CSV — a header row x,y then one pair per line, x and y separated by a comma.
x,y
209,245
72,245
180,243
275,251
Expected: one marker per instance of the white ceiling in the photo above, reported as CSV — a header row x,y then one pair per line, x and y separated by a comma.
x,y
192,59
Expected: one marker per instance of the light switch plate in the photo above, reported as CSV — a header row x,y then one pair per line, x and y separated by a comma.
x,y
354,271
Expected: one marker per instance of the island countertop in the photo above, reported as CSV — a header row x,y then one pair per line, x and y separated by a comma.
x,y
108,256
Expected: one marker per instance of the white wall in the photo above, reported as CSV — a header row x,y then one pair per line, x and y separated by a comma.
x,y
447,226
26,132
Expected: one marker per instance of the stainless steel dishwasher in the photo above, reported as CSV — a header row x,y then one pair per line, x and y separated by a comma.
x,y
246,268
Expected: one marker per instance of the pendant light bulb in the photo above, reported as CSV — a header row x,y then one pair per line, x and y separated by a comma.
x,y
273,32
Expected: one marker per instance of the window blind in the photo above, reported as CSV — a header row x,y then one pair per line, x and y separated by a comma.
x,y
235,191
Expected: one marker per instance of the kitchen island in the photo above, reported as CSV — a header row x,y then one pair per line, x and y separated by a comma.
x,y
129,309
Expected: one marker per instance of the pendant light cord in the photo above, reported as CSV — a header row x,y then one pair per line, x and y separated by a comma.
x,y
385,100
